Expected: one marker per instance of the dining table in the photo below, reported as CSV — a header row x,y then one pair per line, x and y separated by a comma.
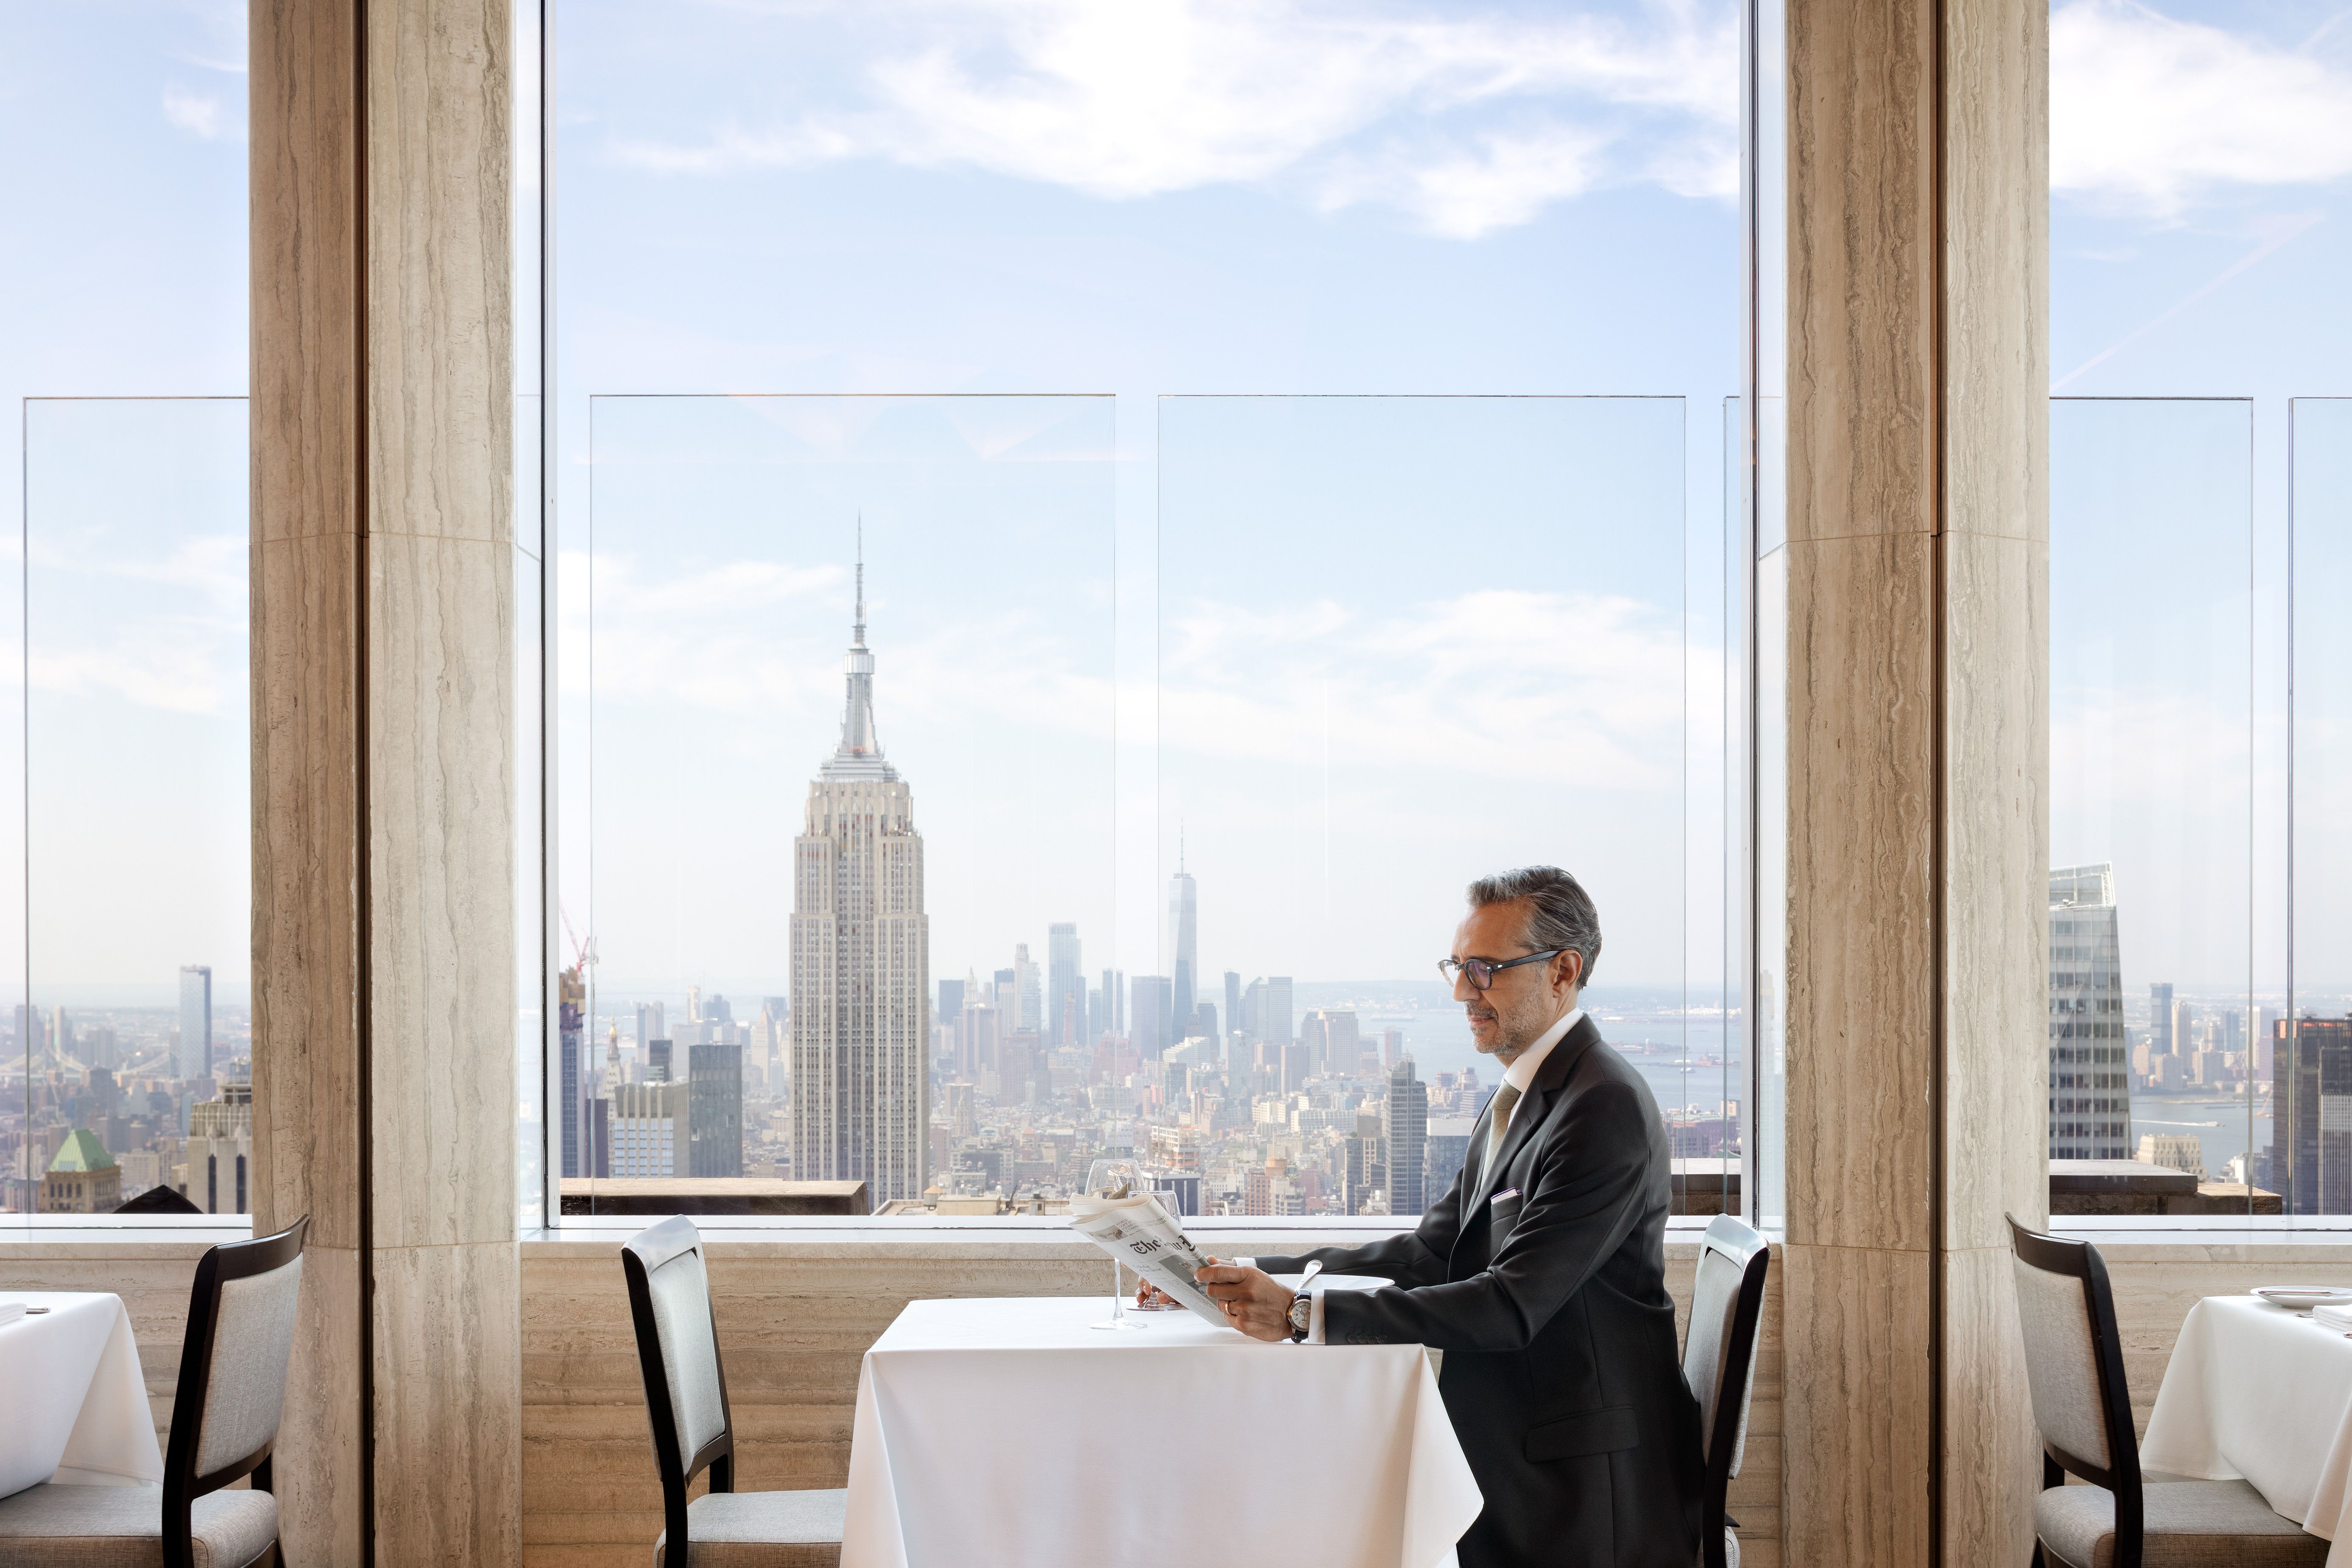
x,y
75,1396
2262,1393
1018,1430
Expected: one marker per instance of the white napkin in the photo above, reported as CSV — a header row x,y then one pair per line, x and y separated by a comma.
x,y
11,1310
2338,1317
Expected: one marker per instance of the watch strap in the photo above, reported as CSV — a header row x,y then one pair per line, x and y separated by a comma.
x,y
1302,1314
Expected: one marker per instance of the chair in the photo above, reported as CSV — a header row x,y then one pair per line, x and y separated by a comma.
x,y
2075,1365
686,1401
1720,1360
224,1425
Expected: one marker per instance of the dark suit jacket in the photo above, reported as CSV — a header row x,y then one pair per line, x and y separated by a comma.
x,y
1561,1371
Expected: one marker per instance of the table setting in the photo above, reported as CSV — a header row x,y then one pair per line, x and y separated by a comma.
x,y
2260,1389
77,1400
1079,1431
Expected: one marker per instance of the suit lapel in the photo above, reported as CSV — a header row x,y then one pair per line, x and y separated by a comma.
x,y
1534,1105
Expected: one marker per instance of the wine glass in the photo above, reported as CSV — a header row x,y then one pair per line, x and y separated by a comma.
x,y
1116,1178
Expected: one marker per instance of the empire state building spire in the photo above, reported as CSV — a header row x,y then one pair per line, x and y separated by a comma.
x,y
859,755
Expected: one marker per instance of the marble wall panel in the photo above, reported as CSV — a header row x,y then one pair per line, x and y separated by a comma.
x,y
1992,1464
1996,933
440,338
305,882
441,806
448,1402
1862,899
1856,1438
1860,267
1995,250
304,269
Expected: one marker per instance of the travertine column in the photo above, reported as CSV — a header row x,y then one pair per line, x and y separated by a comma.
x,y
1917,669
384,766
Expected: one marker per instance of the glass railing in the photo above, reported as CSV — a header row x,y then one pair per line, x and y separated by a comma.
x,y
1405,641
132,1025
844,834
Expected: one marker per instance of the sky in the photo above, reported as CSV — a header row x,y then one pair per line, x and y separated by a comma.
x,y
1352,649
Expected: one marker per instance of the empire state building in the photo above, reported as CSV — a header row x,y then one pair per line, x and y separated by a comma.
x,y
861,963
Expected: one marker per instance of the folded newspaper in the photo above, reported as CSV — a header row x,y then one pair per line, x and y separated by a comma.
x,y
1147,1238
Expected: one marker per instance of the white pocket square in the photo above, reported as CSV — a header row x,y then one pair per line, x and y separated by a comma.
x,y
1506,1193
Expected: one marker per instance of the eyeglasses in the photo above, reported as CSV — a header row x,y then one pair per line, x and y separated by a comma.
x,y
1482,971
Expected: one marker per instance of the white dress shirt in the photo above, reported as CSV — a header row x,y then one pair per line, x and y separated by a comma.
x,y
1518,1075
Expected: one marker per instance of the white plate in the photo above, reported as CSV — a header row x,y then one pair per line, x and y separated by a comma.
x,y
1373,1282
2301,1298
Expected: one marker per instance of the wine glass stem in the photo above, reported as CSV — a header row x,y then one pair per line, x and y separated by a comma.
x,y
1118,1293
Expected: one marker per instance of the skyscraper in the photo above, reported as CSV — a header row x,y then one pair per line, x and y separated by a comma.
x,y
1153,1015
860,962
1026,987
2090,1066
1408,1140
571,997
1232,1000
2311,1145
1275,1016
1066,986
2159,1019
1183,940
195,1021
715,1110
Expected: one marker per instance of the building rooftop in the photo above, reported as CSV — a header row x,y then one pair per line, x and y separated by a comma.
x,y
81,1151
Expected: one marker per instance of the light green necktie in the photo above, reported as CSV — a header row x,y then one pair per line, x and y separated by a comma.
x,y
1498,1117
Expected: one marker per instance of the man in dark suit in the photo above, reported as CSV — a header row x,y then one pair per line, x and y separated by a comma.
x,y
1541,1274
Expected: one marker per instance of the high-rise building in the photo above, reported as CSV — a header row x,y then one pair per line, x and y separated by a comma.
x,y
1202,1024
2311,1098
861,963
572,1001
1232,1000
1027,989
219,1151
714,1111
650,1026
2159,1019
2090,1064
1183,940
1330,1037
650,1127
659,1056
195,1023
1276,1020
1154,1006
1448,1150
1408,1140
1065,985
951,1005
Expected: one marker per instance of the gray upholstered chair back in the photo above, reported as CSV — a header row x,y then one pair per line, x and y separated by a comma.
x,y
2062,1362
1715,1304
245,1387
680,1289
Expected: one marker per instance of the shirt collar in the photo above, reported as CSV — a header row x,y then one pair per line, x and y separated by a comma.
x,y
1522,1072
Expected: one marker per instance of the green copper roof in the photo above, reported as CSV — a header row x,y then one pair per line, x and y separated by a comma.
x,y
81,1151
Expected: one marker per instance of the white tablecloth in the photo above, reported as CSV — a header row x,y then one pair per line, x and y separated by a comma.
x,y
1007,1431
2256,1393
75,1401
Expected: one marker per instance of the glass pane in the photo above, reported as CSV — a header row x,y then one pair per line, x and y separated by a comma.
x,y
2156,1029
1406,642
2318,1178
137,778
748,821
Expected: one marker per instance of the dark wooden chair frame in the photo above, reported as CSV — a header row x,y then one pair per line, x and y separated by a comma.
x,y
2081,1260
182,1485
1749,1249
641,1254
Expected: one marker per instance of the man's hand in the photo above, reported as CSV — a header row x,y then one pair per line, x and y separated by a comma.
x,y
1251,1299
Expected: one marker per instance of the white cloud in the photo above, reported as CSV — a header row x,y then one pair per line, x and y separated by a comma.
x,y
1570,689
2152,112
201,114
1467,123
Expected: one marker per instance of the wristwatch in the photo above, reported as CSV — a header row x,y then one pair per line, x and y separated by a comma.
x,y
1302,1314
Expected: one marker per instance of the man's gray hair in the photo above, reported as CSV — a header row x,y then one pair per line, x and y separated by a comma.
x,y
1560,912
